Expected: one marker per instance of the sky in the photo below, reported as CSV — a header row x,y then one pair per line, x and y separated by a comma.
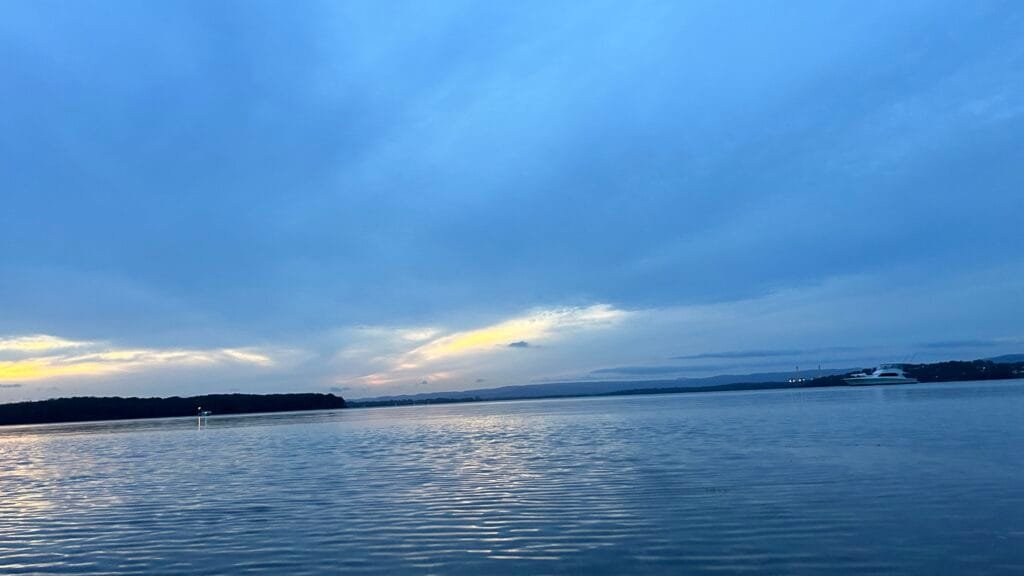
x,y
373,198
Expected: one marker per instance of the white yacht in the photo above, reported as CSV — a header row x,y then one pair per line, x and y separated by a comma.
x,y
884,374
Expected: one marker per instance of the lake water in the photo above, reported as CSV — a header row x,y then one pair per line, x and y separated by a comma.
x,y
925,479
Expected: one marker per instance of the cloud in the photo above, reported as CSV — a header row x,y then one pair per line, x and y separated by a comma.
x,y
10,385
446,353
706,368
605,113
46,357
953,344
539,325
436,179
753,354
640,370
37,343
737,354
417,334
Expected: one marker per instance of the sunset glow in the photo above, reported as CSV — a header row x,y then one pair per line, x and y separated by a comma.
x,y
92,359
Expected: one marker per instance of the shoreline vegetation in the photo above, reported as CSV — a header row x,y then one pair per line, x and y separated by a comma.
x,y
91,409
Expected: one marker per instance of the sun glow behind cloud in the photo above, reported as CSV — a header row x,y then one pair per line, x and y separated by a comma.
x,y
537,326
438,355
44,357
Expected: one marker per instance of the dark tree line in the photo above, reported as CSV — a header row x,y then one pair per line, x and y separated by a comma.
x,y
960,370
91,408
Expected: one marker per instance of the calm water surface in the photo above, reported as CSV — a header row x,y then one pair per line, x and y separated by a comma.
x,y
925,479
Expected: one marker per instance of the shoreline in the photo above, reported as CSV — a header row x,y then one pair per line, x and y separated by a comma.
x,y
98,409
752,387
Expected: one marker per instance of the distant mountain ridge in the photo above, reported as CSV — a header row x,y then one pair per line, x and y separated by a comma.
x,y
597,387
999,368
1007,359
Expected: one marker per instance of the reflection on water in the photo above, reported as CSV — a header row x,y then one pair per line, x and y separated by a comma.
x,y
923,479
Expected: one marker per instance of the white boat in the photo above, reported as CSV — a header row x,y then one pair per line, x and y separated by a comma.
x,y
884,374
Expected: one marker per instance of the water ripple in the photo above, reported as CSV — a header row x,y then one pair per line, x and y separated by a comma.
x,y
850,481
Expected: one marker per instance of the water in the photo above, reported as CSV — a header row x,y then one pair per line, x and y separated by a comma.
x,y
925,479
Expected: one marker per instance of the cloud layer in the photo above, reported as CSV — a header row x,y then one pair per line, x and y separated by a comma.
x,y
45,357
405,194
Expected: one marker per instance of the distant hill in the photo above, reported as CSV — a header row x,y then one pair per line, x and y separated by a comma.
x,y
953,371
593,388
1007,359
83,409
964,371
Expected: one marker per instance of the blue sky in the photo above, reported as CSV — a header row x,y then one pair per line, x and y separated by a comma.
x,y
378,198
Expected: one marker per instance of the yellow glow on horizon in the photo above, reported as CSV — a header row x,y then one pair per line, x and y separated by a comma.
x,y
482,338
99,359
427,361
38,343
24,370
537,326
